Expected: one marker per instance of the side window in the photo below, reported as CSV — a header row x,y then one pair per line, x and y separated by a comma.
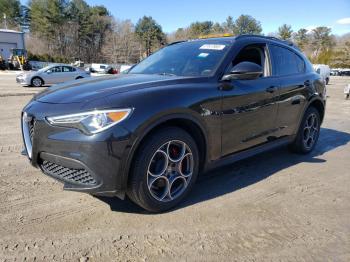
x,y
56,69
255,54
300,64
66,69
286,62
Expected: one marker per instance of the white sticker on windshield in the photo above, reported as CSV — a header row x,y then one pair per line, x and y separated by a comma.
x,y
203,55
212,47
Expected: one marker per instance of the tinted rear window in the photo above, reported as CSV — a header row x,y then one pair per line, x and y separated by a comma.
x,y
286,62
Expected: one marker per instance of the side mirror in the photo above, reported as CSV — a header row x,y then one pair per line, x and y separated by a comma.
x,y
244,71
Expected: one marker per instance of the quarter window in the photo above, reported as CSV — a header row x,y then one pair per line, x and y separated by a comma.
x,y
286,62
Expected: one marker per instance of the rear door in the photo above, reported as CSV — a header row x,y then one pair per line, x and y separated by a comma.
x,y
290,68
68,74
249,106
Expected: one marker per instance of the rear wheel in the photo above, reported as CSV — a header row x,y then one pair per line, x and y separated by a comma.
x,y
37,82
308,133
79,77
347,96
164,170
327,81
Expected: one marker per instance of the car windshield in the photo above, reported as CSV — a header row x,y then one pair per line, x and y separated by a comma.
x,y
193,58
45,68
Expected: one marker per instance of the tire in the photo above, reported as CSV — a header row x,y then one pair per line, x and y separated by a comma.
x,y
327,81
158,180
79,77
308,132
347,96
36,82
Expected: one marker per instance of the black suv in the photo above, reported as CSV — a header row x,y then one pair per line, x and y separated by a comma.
x,y
185,109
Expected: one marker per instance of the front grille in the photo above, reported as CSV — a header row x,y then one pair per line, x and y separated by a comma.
x,y
70,175
28,126
31,126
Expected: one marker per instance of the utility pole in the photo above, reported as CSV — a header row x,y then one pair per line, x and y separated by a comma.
x,y
5,22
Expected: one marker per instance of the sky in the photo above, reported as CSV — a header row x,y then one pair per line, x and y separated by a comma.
x,y
271,13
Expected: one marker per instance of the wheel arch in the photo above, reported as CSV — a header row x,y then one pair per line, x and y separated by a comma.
x,y
186,122
42,80
316,102
319,105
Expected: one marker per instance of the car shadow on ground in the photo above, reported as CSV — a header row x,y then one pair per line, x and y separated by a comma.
x,y
230,178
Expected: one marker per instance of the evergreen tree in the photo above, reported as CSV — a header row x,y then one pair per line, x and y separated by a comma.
x,y
285,32
150,33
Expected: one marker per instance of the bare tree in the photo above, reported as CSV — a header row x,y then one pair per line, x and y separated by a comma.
x,y
121,46
322,40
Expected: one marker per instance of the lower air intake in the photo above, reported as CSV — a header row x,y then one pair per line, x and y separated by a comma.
x,y
76,176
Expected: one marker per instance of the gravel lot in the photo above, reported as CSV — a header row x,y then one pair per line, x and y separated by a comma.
x,y
275,206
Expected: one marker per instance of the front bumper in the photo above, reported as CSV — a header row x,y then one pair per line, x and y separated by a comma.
x,y
21,80
90,164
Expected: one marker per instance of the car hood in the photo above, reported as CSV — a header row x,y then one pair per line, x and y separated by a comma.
x,y
27,74
89,89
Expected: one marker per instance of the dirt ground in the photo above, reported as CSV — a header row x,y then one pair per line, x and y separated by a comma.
x,y
276,206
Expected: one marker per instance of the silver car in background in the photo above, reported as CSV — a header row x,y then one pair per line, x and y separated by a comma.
x,y
52,74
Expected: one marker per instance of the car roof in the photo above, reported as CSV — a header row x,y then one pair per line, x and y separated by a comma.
x,y
246,37
60,65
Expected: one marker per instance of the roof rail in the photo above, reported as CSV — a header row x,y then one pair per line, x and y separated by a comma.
x,y
287,42
176,42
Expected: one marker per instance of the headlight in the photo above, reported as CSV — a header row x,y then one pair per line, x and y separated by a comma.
x,y
91,122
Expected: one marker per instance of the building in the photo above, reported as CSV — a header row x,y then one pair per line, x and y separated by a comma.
x,y
10,39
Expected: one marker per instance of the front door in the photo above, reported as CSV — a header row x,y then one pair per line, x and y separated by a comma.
x,y
53,75
249,107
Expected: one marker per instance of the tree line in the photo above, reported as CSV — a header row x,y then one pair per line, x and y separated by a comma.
x,y
64,30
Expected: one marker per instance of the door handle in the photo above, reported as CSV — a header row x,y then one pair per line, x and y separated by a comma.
x,y
271,89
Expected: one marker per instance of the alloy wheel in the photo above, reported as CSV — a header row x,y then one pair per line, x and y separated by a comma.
x,y
170,171
37,82
310,132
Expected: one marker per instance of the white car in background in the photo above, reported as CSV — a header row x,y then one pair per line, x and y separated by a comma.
x,y
100,68
324,71
125,68
52,74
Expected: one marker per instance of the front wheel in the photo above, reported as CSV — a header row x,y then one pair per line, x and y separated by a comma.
x,y
347,96
164,170
36,82
308,133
